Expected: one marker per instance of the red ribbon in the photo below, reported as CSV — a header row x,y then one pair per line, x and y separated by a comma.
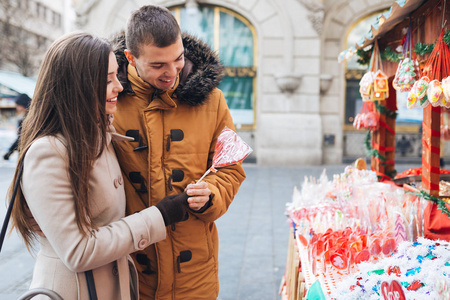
x,y
387,127
435,170
382,148
433,149
429,131
387,162
431,186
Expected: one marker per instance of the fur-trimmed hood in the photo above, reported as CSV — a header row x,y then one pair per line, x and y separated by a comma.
x,y
202,72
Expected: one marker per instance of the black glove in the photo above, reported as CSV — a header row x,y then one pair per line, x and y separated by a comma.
x,y
174,208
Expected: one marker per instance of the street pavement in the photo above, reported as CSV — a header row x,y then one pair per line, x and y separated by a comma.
x,y
253,234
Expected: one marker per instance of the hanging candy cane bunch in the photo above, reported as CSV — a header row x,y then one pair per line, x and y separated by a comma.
x,y
367,118
429,88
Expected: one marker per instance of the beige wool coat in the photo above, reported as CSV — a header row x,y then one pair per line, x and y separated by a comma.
x,y
64,252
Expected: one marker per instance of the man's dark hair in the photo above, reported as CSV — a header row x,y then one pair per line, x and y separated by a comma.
x,y
153,25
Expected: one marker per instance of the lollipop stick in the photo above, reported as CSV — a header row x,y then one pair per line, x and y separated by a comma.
x,y
206,173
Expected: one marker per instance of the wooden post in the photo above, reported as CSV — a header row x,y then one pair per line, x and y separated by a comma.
x,y
379,142
431,149
391,107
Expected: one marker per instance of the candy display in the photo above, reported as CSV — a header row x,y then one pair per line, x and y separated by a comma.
x,y
421,269
230,149
343,225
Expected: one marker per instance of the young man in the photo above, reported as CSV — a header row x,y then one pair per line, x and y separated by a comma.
x,y
173,109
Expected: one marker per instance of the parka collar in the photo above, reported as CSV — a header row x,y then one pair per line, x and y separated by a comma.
x,y
158,99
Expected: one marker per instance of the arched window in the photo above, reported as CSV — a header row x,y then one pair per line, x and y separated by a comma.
x,y
234,39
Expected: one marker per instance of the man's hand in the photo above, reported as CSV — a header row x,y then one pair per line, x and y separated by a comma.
x,y
198,195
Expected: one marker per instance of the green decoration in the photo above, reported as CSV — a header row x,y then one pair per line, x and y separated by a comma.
x,y
390,55
440,203
378,272
423,48
446,37
387,112
364,57
374,152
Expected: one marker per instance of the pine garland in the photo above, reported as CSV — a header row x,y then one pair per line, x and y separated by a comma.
x,y
423,48
374,152
392,173
371,151
441,204
387,112
390,55
364,57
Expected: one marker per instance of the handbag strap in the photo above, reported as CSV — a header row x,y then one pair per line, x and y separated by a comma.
x,y
91,285
10,207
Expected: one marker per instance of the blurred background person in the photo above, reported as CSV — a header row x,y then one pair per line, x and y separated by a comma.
x,y
22,104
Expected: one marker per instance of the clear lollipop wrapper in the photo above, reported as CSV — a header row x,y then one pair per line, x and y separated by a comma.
x,y
230,149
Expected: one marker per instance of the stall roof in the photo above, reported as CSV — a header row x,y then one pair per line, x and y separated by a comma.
x,y
18,83
399,10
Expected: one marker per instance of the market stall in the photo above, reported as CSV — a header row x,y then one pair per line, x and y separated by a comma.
x,y
371,234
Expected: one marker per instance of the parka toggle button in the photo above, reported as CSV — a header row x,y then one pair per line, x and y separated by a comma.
x,y
176,135
183,257
134,133
136,177
177,176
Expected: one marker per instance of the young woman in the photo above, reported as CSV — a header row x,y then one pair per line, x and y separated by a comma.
x,y
72,181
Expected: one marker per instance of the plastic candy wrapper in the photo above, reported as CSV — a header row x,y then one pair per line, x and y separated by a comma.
x,y
434,92
230,149
406,75
419,93
366,84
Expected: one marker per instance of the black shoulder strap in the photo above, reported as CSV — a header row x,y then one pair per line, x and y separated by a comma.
x,y
91,285
10,207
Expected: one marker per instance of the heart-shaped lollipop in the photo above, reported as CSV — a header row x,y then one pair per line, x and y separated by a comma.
x,y
392,291
230,149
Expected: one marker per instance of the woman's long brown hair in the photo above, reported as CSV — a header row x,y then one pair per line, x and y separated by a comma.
x,y
69,100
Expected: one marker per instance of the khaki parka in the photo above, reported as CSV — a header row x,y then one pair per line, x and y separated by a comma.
x,y
175,134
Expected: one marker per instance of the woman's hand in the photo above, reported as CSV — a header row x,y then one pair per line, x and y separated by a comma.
x,y
198,195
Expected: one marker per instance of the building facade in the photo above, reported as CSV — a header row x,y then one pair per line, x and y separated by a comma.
x,y
27,28
284,84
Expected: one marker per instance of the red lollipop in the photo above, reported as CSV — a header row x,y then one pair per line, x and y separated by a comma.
x,y
393,290
362,256
389,246
375,247
338,260
230,149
